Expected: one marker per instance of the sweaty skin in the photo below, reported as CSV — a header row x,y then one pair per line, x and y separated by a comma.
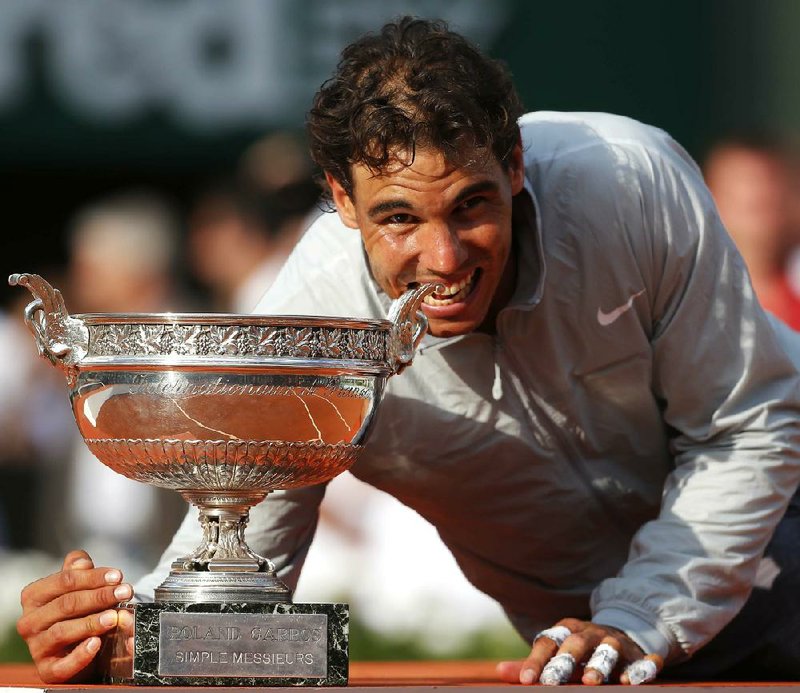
x,y
432,221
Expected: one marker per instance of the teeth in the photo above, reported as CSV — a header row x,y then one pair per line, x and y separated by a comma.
x,y
454,292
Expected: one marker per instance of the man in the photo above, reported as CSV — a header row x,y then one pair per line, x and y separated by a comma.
x,y
602,425
755,183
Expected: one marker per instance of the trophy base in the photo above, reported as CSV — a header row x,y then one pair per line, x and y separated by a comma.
x,y
215,586
229,644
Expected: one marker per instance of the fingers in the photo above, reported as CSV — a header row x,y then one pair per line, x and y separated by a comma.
x,y
581,650
509,672
71,605
602,662
558,670
77,662
61,637
552,657
642,670
76,665
77,560
542,651
64,615
52,587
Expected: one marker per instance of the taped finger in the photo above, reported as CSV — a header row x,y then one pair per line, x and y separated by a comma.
x,y
603,660
558,634
641,671
558,670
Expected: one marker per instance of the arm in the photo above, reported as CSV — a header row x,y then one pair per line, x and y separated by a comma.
x,y
730,397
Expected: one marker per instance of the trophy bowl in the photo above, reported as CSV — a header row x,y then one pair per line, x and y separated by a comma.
x,y
223,409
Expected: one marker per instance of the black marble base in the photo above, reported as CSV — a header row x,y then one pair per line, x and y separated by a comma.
x,y
229,644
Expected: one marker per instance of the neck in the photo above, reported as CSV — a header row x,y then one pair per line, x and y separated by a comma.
x,y
508,282
502,296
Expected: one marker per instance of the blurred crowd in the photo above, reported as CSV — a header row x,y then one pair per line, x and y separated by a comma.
x,y
125,255
133,252
755,181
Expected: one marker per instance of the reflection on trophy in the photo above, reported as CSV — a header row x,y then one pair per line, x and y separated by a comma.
x,y
225,409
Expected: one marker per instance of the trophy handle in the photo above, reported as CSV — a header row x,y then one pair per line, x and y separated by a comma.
x,y
409,325
60,338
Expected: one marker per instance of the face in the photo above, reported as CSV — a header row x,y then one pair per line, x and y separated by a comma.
x,y
754,195
435,222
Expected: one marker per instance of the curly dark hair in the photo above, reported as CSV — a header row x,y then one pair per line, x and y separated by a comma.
x,y
414,84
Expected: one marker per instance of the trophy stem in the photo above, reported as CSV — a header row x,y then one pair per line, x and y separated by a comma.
x,y
224,547
223,567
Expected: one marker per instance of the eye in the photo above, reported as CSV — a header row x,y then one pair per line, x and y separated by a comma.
x,y
471,203
399,219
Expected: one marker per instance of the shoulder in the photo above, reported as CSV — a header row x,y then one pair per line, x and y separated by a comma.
x,y
608,165
600,146
328,241
326,274
553,134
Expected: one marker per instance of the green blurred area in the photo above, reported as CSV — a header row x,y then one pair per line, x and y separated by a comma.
x,y
699,69
370,645
13,648
693,67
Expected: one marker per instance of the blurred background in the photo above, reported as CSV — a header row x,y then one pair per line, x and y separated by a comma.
x,y
152,158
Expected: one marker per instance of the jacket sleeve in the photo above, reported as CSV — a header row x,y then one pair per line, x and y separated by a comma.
x,y
729,396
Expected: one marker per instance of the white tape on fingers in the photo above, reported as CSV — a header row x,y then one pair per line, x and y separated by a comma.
x,y
641,671
603,660
558,634
558,670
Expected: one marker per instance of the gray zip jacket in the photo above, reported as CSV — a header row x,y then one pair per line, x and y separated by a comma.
x,y
623,447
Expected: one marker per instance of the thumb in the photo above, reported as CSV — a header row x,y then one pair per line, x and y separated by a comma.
x,y
509,671
78,560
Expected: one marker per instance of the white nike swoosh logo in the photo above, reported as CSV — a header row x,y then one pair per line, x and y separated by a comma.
x,y
605,319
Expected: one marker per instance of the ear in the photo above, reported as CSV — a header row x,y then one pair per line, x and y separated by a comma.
x,y
344,205
516,169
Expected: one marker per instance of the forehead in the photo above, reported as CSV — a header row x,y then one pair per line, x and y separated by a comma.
x,y
421,169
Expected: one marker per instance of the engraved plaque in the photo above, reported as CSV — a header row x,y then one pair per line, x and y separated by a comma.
x,y
239,645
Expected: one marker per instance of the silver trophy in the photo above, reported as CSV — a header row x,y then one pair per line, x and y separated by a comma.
x,y
224,409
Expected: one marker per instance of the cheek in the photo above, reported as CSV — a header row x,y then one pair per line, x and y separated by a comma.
x,y
391,254
386,263
491,241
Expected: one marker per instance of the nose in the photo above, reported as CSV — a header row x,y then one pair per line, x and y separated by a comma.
x,y
443,251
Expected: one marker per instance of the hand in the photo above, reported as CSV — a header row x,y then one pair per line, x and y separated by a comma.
x,y
581,644
64,615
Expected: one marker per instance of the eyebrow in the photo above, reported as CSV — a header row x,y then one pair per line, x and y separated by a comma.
x,y
480,186
388,206
399,203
